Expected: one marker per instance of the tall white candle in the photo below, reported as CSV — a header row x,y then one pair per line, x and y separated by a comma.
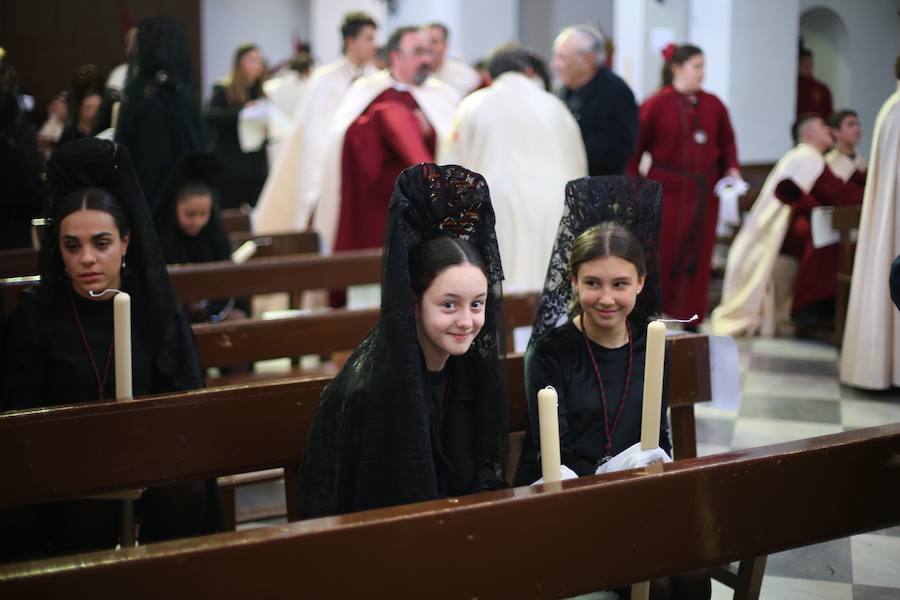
x,y
653,384
548,401
122,332
114,120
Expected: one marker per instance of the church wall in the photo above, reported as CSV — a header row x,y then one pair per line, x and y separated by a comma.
x,y
325,17
873,46
763,67
225,24
486,25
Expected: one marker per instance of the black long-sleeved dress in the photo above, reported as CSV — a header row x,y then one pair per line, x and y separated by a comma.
x,y
44,363
560,359
245,172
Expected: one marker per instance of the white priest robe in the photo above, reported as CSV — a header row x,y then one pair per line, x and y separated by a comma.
x,y
458,75
870,355
293,186
748,292
285,92
435,99
842,165
527,145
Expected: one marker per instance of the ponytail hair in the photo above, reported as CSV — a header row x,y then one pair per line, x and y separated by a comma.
x,y
676,55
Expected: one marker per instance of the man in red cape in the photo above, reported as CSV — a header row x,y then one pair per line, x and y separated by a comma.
x,y
387,122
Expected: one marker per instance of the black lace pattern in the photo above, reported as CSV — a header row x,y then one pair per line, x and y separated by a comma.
x,y
635,203
370,443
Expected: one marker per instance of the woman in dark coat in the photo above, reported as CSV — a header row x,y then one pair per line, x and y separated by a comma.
x,y
245,172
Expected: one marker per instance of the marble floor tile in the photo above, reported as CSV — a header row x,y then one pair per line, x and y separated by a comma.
x,y
714,431
789,588
794,348
891,531
791,386
793,366
791,409
868,592
751,432
828,561
707,410
876,559
868,413
852,393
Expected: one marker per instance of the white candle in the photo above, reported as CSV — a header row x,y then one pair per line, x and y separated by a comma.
x,y
114,120
548,401
122,332
653,384
244,253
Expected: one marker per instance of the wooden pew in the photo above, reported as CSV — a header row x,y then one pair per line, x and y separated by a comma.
x,y
536,542
295,274
18,263
218,431
323,332
235,219
24,262
845,220
278,244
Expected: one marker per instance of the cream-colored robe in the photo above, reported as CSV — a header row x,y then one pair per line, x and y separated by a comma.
x,y
870,355
748,295
527,145
436,100
458,75
285,92
842,165
293,186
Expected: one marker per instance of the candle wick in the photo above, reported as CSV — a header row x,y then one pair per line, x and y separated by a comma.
x,y
94,294
691,320
550,387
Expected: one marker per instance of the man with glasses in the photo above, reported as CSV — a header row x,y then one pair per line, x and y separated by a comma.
x,y
386,122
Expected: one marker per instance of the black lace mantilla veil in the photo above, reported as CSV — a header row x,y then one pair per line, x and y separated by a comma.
x,y
635,203
370,445
97,163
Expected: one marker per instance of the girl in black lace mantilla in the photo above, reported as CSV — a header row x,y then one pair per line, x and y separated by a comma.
x,y
396,425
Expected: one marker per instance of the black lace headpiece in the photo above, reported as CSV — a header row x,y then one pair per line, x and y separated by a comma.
x,y
97,163
633,202
379,399
201,167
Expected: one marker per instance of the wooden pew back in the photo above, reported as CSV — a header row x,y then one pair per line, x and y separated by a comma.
x,y
295,274
480,546
191,435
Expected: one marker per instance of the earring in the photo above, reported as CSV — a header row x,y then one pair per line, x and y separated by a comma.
x,y
123,262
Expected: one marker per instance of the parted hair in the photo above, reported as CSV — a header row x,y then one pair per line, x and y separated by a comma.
x,y
430,258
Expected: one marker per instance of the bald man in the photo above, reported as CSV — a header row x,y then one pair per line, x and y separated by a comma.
x,y
600,100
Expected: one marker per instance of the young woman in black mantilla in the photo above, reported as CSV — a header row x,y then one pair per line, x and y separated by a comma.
x,y
190,229
420,409
58,345
603,282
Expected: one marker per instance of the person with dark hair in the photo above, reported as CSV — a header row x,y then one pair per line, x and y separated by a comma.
x,y
813,96
843,159
59,339
527,154
600,100
457,74
191,231
294,184
687,133
22,191
86,99
420,411
245,169
159,120
870,354
773,269
603,281
385,123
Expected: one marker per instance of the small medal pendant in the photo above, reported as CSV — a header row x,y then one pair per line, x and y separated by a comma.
x,y
700,136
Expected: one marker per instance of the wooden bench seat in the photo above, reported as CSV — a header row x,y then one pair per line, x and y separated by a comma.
x,y
534,542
